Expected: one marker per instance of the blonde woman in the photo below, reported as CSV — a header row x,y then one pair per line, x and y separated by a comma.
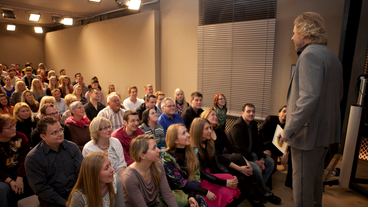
x,y
38,89
45,100
180,102
78,92
25,121
145,178
16,97
53,84
65,85
96,185
9,89
50,74
28,98
69,99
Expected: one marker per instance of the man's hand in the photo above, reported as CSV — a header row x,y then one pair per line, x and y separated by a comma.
x,y
267,152
284,159
260,163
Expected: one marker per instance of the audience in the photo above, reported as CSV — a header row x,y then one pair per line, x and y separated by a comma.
x,y
128,132
45,100
101,141
53,84
16,96
93,106
50,74
182,167
65,85
180,102
101,98
53,165
78,92
159,97
110,90
29,99
96,184
14,148
150,102
59,102
146,178
80,79
243,135
62,72
75,76
113,112
148,90
44,84
132,103
78,125
194,110
169,116
9,88
5,107
26,123
48,110
94,80
219,104
38,89
12,75
69,99
150,126
215,177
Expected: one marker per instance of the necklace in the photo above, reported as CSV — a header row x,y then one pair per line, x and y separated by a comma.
x,y
108,145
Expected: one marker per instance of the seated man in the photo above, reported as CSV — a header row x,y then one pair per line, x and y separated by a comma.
x,y
59,102
148,90
169,116
12,75
48,110
76,77
53,166
150,102
194,110
101,98
243,135
27,79
113,112
159,97
80,79
132,103
93,106
128,132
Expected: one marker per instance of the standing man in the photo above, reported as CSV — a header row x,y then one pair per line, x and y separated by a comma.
x,y
313,104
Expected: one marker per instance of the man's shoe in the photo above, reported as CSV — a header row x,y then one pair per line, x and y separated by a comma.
x,y
254,200
270,197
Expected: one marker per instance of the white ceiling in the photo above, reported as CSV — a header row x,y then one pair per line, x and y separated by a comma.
x,y
78,9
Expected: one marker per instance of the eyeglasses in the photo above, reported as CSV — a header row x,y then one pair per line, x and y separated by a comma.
x,y
170,106
61,130
10,128
53,114
220,99
105,128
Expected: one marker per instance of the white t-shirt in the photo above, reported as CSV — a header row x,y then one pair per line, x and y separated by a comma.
x,y
129,105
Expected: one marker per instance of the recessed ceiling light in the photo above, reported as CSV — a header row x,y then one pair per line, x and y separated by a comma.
x,y
95,0
38,29
34,17
67,21
10,27
134,4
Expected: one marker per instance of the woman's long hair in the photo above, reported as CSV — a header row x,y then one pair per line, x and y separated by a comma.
x,y
196,135
185,103
206,113
64,86
51,86
139,146
18,107
190,157
75,91
38,90
88,182
23,99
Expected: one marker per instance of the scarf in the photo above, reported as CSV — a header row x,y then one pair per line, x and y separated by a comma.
x,y
221,116
179,107
82,123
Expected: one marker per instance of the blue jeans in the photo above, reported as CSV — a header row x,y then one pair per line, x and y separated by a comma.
x,y
262,175
8,198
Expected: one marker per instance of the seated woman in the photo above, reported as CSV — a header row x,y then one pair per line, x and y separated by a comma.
x,y
28,98
65,85
215,176
38,89
237,164
14,147
150,126
9,89
180,102
43,83
100,129
16,96
182,168
50,74
53,84
69,99
219,104
26,123
5,107
145,178
96,184
78,125
45,100
110,90
78,92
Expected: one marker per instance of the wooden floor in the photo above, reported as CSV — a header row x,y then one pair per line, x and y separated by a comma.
x,y
334,196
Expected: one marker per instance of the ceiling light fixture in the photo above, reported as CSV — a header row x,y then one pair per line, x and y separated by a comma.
x,y
10,27
8,13
38,29
67,21
132,4
94,0
34,17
